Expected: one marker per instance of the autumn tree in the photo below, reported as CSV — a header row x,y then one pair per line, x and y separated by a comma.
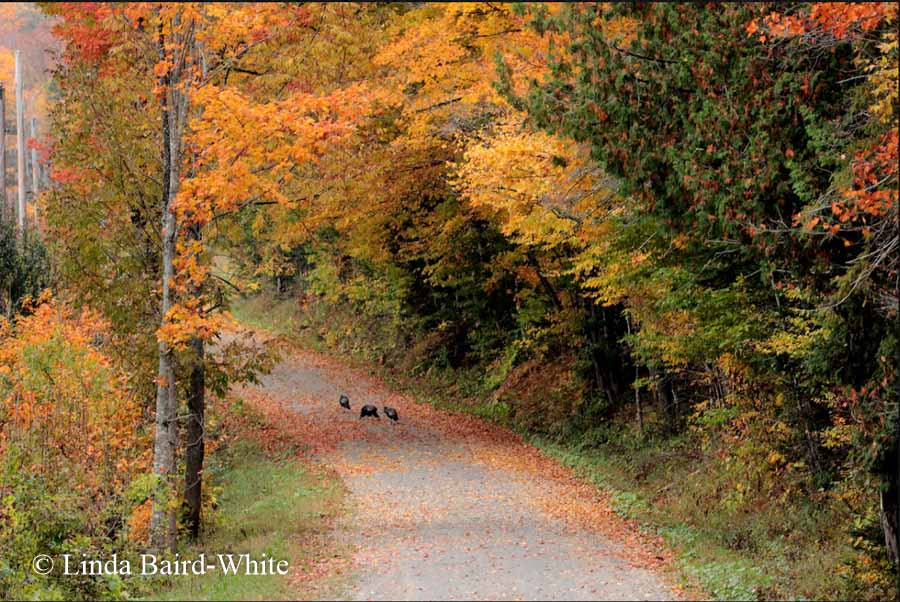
x,y
205,160
729,146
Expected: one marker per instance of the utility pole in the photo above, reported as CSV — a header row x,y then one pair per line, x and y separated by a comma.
x,y
4,205
35,171
20,142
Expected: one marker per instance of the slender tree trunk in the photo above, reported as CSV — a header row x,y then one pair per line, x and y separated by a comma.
x,y
162,529
20,144
194,450
890,515
890,503
548,286
35,171
162,523
637,391
174,105
194,447
5,207
196,425
664,398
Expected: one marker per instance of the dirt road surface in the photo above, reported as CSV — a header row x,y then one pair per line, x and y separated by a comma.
x,y
447,506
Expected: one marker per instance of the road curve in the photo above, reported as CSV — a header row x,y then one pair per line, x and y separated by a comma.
x,y
447,507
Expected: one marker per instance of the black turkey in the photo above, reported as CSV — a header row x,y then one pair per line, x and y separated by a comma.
x,y
391,413
368,410
344,401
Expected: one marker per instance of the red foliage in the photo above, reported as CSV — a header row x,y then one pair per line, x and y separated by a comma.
x,y
838,19
872,168
873,193
83,30
66,175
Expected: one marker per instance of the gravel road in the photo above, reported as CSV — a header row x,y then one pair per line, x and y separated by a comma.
x,y
434,518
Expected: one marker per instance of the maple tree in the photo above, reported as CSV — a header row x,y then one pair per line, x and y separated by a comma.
x,y
193,96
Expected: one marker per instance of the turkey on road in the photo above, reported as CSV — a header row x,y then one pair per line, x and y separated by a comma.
x,y
344,401
391,413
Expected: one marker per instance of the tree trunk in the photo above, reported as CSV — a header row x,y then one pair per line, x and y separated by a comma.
x,y
5,208
162,521
890,505
20,144
665,399
35,171
174,105
637,390
194,450
640,409
194,447
889,520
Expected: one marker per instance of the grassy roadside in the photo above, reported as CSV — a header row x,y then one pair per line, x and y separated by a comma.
x,y
262,311
268,501
726,574
732,549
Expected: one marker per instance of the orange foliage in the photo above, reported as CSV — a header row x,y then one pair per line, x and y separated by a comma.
x,y
65,410
839,19
244,141
139,523
83,29
872,167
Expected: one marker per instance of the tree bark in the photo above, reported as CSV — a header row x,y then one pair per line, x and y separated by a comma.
x,y
194,449
174,106
35,171
4,206
194,446
890,505
20,145
665,399
637,390
162,529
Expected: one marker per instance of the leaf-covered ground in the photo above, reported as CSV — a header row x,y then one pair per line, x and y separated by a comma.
x,y
447,506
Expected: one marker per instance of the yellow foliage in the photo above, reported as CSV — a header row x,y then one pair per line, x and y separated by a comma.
x,y
540,187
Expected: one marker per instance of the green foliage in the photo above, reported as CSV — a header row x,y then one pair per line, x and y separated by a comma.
x,y
733,553
40,517
720,142
627,504
102,217
24,267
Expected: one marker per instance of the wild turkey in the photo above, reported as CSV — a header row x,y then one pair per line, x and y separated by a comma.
x,y
368,410
344,401
391,413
